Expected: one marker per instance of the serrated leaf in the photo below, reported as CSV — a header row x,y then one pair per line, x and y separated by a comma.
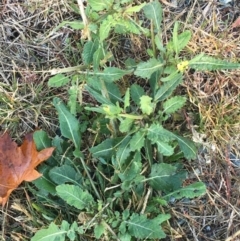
x,y
204,62
99,230
97,5
137,141
74,196
135,9
136,93
125,125
166,177
173,104
58,80
52,233
146,69
124,26
164,148
141,227
63,174
72,99
146,105
105,28
89,49
69,125
159,43
156,132
187,147
191,191
153,11
167,88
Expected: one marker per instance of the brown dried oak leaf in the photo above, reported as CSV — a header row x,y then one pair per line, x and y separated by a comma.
x,y
236,23
17,163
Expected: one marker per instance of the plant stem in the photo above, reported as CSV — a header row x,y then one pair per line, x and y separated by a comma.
x,y
90,179
153,40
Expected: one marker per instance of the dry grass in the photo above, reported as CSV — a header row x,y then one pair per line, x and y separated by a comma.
x,y
29,48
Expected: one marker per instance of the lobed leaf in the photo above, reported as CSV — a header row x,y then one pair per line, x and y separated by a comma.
x,y
53,233
72,99
191,191
74,196
156,132
146,105
139,226
164,148
204,62
125,125
173,104
135,9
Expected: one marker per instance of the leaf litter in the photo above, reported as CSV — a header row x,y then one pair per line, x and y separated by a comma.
x,y
17,164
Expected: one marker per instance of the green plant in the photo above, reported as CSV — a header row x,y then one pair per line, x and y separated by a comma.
x,y
134,166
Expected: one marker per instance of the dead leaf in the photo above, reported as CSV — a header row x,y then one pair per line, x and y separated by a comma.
x,y
18,164
236,23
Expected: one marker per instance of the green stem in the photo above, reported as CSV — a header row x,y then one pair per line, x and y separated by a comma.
x,y
90,179
153,40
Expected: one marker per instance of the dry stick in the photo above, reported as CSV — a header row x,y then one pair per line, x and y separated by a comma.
x,y
146,200
84,17
232,238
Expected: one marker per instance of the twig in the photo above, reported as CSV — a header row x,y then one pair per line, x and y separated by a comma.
x,y
84,18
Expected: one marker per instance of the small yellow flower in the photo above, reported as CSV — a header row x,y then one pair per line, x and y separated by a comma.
x,y
183,66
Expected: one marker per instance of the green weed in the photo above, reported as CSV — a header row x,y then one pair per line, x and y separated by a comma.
x,y
133,167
